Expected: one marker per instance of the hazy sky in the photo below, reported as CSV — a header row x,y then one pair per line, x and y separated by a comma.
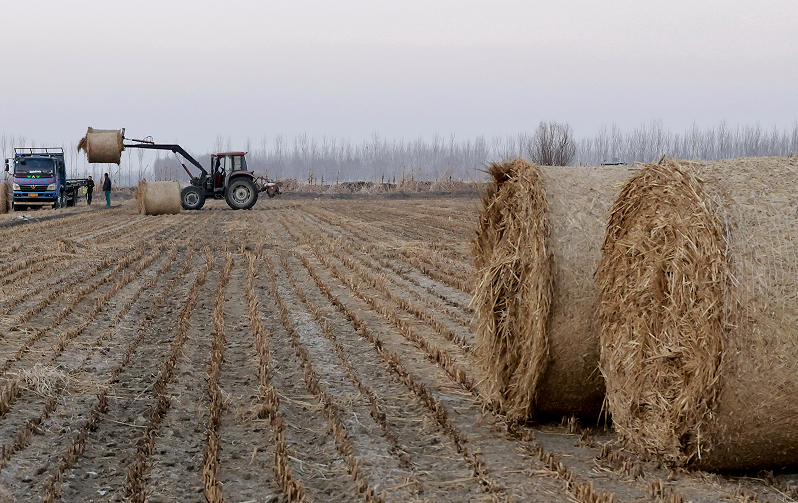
x,y
189,71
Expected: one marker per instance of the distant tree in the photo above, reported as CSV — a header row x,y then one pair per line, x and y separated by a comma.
x,y
553,144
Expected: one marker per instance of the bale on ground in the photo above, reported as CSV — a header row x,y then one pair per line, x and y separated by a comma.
x,y
6,196
158,198
537,247
102,145
699,313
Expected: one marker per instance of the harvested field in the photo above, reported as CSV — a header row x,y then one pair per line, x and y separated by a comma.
x,y
308,349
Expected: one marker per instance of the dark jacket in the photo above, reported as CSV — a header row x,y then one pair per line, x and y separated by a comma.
x,y
107,183
90,186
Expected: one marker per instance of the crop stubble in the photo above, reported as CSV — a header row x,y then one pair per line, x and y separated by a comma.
x,y
314,352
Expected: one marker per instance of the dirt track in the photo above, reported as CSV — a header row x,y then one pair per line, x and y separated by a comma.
x,y
304,349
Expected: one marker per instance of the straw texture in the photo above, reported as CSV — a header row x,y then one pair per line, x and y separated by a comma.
x,y
6,196
102,145
699,313
158,198
537,247
580,199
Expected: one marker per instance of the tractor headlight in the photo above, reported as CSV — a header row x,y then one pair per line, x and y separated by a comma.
x,y
51,186
15,186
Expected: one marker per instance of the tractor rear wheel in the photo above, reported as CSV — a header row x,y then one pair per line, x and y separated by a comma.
x,y
192,198
241,194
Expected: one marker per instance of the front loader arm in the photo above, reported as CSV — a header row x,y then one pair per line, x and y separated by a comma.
x,y
174,148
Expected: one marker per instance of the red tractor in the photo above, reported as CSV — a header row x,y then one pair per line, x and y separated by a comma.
x,y
228,179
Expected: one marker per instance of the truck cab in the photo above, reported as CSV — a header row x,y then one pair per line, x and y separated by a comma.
x,y
39,178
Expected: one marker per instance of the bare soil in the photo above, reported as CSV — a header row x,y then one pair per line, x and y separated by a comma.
x,y
308,349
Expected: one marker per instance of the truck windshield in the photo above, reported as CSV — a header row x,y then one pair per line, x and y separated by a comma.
x,y
32,167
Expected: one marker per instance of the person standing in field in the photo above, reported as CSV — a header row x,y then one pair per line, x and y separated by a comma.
x,y
89,190
107,189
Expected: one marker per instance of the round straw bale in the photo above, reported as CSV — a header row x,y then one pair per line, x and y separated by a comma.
x,y
102,145
699,313
536,250
158,198
6,196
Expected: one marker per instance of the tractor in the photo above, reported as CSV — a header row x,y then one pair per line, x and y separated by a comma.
x,y
228,179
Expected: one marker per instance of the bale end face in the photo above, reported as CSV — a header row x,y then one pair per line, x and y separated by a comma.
x,y
514,287
662,279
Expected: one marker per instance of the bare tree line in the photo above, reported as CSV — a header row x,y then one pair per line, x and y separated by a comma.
x,y
328,160
650,142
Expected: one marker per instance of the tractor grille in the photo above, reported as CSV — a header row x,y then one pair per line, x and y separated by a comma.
x,y
32,188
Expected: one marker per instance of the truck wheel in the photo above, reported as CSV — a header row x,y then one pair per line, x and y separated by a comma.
x,y
241,194
17,207
60,201
192,198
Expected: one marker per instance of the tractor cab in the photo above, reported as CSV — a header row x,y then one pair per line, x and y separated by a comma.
x,y
224,165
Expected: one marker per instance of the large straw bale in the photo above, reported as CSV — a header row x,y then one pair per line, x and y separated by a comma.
x,y
158,198
537,247
102,145
6,196
699,313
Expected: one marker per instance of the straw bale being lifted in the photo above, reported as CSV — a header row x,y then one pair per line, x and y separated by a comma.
x,y
699,313
536,250
158,198
102,145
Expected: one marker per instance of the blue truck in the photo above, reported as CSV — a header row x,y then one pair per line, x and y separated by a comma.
x,y
39,179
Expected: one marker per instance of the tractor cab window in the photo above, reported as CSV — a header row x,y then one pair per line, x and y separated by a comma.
x,y
236,162
226,163
232,162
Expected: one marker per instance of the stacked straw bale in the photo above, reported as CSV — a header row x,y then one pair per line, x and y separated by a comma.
x,y
158,198
699,313
102,145
6,196
536,250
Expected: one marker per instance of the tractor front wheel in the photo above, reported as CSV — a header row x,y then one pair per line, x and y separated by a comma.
x,y
192,198
241,194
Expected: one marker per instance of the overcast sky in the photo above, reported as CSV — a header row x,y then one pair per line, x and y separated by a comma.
x,y
189,71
